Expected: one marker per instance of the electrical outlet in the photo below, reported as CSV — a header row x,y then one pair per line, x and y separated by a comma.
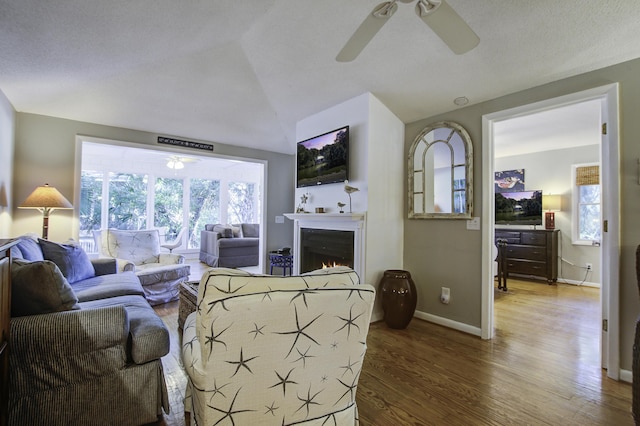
x,y
589,266
445,295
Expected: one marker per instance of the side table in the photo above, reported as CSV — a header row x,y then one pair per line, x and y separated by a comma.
x,y
188,300
279,260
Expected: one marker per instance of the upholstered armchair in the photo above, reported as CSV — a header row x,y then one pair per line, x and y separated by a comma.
x,y
160,273
269,350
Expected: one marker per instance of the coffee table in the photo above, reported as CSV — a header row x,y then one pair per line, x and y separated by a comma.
x,y
188,299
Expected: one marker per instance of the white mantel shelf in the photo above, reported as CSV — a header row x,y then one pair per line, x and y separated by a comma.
x,y
325,216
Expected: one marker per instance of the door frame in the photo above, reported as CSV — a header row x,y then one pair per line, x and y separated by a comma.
x,y
610,244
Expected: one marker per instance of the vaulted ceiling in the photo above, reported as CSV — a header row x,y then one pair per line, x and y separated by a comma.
x,y
243,72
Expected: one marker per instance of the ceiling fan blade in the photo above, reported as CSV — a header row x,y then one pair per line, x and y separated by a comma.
x,y
448,25
366,31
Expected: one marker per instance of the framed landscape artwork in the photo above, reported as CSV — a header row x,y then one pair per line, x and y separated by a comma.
x,y
509,181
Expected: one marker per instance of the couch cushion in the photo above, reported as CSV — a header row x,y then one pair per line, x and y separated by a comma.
x,y
39,288
250,230
225,231
139,247
105,286
155,273
149,335
70,258
29,248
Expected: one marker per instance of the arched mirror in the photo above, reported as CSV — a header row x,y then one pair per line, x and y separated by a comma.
x,y
441,173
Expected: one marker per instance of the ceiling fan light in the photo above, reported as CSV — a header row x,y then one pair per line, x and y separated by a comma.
x,y
385,10
179,165
425,7
171,164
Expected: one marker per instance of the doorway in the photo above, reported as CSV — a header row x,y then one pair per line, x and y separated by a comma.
x,y
607,97
129,186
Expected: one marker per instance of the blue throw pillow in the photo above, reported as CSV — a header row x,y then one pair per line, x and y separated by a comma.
x,y
30,249
71,259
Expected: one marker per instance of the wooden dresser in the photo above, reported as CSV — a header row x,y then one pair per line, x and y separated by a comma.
x,y
5,324
531,252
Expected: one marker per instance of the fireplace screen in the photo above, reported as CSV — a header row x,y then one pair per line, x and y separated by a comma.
x,y
325,248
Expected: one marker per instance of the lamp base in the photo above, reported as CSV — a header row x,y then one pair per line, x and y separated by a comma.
x,y
549,220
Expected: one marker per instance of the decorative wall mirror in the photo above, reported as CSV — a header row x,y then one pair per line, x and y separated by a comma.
x,y
441,173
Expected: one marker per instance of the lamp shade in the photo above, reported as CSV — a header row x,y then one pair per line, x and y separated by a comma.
x,y
551,203
46,197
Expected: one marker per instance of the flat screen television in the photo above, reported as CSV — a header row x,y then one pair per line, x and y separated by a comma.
x,y
323,159
519,208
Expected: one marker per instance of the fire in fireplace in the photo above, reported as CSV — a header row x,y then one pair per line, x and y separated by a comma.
x,y
325,247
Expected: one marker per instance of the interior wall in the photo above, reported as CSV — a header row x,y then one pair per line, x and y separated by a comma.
x,y
550,171
442,252
7,129
45,153
355,113
375,161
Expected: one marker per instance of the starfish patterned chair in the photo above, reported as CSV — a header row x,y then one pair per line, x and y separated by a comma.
x,y
160,273
270,350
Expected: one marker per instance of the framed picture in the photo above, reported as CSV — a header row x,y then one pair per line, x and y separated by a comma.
x,y
509,181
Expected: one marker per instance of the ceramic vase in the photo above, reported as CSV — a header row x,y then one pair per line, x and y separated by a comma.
x,y
398,296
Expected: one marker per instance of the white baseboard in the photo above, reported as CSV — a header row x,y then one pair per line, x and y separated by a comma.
x,y
626,376
579,283
465,328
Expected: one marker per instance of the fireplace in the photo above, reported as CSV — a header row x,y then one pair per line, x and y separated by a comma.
x,y
324,248
328,237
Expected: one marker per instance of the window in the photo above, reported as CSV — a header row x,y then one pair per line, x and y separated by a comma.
x,y
204,207
587,198
242,207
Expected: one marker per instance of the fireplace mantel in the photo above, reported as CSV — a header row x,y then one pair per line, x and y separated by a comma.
x,y
355,222
325,216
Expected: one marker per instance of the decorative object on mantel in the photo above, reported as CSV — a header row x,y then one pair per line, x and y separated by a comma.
x,y
341,206
349,190
46,199
399,297
319,209
303,202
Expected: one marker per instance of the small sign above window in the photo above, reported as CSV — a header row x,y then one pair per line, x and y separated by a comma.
x,y
185,144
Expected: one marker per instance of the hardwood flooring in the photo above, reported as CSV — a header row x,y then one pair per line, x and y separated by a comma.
x,y
542,368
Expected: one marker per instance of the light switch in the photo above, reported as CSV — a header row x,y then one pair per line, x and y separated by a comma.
x,y
279,219
474,224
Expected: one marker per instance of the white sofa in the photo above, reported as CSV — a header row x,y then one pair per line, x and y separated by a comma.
x,y
270,350
160,273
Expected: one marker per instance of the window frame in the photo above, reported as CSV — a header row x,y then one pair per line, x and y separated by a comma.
x,y
575,207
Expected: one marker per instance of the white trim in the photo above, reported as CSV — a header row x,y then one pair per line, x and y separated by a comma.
x,y
610,252
79,139
446,322
626,376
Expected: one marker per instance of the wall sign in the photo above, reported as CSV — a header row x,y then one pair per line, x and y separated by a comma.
x,y
185,144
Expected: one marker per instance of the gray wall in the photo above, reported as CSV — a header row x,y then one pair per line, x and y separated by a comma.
x,y
45,152
443,252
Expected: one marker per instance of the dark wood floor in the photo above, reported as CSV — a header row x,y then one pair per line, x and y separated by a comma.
x,y
542,368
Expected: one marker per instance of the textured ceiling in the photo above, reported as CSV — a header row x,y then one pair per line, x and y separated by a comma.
x,y
243,72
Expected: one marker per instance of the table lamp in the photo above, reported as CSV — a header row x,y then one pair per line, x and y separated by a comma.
x,y
46,199
550,203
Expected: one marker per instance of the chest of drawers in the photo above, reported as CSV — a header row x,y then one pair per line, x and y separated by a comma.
x,y
532,253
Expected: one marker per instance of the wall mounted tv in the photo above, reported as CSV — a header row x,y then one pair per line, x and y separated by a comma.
x,y
519,208
323,159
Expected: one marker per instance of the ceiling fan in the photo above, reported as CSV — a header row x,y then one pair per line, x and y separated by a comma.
x,y
176,162
437,14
